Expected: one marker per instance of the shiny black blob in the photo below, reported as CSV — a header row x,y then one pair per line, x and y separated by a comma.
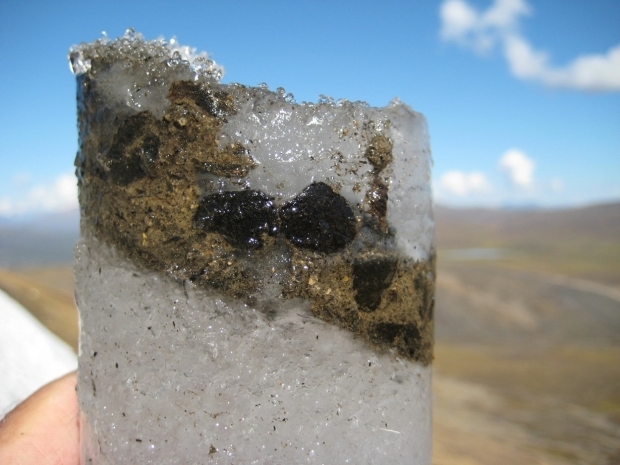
x,y
406,337
370,278
134,149
318,219
242,217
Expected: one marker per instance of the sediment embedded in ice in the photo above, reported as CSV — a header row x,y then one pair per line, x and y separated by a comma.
x,y
271,262
174,374
250,194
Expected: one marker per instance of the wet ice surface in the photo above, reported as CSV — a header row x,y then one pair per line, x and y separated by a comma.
x,y
174,375
170,373
138,73
292,144
296,144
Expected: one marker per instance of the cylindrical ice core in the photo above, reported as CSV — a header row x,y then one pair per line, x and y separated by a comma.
x,y
255,276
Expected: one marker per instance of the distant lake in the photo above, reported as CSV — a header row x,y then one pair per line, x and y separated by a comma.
x,y
475,253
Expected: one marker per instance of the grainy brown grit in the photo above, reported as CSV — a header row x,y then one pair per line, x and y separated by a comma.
x,y
140,191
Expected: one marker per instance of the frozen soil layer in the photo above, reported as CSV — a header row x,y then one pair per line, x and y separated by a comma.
x,y
248,194
175,374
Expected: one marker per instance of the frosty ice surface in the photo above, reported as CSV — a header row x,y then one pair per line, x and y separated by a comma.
x,y
255,276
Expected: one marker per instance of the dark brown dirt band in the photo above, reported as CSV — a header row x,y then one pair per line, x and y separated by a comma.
x,y
140,190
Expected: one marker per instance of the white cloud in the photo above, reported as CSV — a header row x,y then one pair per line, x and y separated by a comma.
x,y
524,62
457,19
59,195
518,167
463,24
588,72
462,184
505,13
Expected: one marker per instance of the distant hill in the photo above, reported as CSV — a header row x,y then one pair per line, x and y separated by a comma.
x,y
583,242
45,240
460,228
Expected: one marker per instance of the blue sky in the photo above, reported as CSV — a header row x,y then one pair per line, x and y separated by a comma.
x,y
522,96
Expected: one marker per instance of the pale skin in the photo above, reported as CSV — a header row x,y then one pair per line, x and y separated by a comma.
x,y
43,429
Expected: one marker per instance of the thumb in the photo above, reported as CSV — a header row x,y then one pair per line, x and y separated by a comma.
x,y
43,430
